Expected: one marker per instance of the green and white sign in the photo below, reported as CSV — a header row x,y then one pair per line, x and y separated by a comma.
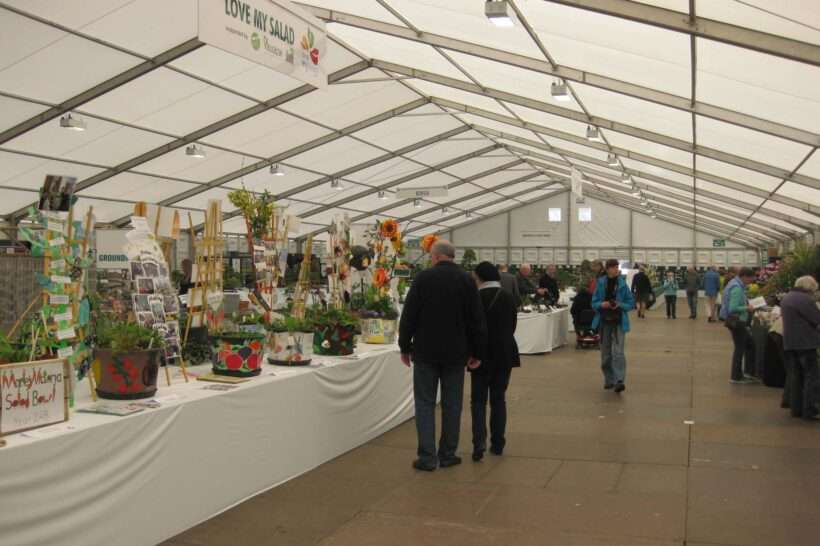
x,y
719,243
273,33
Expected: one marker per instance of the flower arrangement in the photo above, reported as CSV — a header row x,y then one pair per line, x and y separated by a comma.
x,y
804,260
334,331
129,356
257,211
428,241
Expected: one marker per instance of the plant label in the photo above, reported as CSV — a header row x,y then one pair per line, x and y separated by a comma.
x,y
58,299
66,333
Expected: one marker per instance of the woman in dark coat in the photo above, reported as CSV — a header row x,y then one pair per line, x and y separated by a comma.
x,y
491,378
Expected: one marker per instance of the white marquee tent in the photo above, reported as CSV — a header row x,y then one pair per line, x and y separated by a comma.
x,y
706,118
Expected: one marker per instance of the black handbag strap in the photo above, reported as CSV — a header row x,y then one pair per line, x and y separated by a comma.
x,y
495,299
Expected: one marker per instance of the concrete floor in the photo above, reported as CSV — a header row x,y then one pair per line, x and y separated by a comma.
x,y
583,467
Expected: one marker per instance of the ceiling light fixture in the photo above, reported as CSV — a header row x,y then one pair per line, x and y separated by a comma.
x,y
625,176
276,170
560,92
594,134
383,195
444,210
497,13
195,151
612,160
72,123
336,184
469,214
416,203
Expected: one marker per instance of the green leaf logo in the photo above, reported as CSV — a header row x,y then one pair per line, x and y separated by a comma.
x,y
256,42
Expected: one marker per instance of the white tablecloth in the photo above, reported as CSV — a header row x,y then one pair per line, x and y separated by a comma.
x,y
140,479
542,332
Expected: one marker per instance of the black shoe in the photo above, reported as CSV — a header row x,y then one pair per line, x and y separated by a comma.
x,y
620,387
609,386
452,461
497,451
478,454
418,465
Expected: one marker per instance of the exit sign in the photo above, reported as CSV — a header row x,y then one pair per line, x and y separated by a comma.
x,y
718,243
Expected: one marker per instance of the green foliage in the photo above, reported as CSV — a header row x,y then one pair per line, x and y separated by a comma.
x,y
319,317
257,210
125,337
469,260
289,324
231,280
378,304
805,260
11,352
176,277
196,353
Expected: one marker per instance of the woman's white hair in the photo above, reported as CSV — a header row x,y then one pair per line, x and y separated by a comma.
x,y
806,283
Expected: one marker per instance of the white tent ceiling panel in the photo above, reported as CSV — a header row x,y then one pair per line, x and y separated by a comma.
x,y
597,168
613,47
658,186
180,165
61,69
732,194
410,128
465,20
478,201
511,79
437,214
458,192
234,225
549,120
750,14
561,144
323,219
533,149
498,126
512,189
812,166
407,210
13,111
102,143
750,144
364,8
454,222
657,171
22,37
449,149
432,180
426,230
430,89
482,164
745,176
796,213
396,50
801,193
200,201
371,202
636,112
261,180
335,156
760,85
136,187
645,147
337,57
324,194
104,211
724,205
22,171
13,200
266,134
341,105
501,179
386,171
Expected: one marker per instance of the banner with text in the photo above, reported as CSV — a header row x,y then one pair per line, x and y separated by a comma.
x,y
33,395
273,33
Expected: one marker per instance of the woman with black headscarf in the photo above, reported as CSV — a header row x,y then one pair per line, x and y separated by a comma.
x,y
491,378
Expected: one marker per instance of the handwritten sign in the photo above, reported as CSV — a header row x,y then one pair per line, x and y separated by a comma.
x,y
33,395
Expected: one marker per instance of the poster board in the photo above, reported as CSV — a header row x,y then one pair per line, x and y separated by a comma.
x,y
736,258
670,257
516,256
752,259
531,256
687,258
560,256
639,256
501,255
576,257
593,254
547,256
33,394
704,258
459,255
487,255
719,258
653,257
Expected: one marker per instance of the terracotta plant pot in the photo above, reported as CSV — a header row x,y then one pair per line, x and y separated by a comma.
x,y
127,376
290,348
238,355
334,340
378,331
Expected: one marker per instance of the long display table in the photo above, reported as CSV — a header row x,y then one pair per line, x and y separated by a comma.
x,y
539,333
140,479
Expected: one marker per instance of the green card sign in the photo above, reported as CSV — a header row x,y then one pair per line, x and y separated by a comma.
x,y
719,243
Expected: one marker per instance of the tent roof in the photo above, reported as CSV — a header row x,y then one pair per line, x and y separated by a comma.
x,y
715,122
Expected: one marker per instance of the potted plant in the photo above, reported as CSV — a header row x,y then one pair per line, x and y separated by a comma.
x,y
127,356
290,342
378,317
334,331
12,352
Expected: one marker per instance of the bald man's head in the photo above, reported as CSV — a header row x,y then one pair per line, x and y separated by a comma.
x,y
442,251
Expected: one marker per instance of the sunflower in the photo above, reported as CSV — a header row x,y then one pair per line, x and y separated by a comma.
x,y
395,240
380,277
389,228
428,242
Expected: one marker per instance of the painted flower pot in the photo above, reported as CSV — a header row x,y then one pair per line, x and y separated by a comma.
x,y
127,376
290,348
238,355
334,340
378,331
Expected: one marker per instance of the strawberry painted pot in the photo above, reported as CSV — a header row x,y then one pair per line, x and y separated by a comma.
x,y
126,376
290,348
238,355
334,340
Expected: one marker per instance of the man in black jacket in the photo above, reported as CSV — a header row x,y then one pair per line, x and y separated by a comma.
x,y
493,376
442,330
548,285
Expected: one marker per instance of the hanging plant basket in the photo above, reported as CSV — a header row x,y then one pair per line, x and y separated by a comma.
x,y
378,331
128,375
290,348
238,354
334,339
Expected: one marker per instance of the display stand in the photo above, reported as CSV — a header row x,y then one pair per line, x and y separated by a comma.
x,y
303,283
205,298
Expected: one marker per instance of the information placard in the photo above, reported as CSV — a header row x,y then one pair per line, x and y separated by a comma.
x,y
670,257
516,256
560,256
639,256
654,257
501,255
547,256
487,255
531,256
33,395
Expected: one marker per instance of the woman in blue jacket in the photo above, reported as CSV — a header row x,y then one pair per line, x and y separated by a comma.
x,y
612,301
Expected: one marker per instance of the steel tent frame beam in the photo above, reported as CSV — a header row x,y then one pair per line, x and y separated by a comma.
x,y
206,131
701,27
572,74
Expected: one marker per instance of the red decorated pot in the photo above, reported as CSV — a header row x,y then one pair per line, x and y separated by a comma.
x,y
238,355
127,376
